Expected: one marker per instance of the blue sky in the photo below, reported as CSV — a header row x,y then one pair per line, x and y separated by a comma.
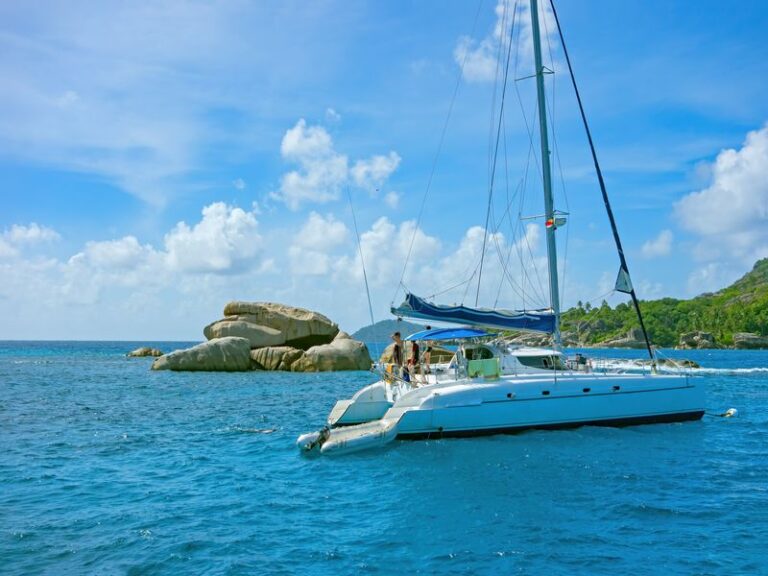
x,y
157,161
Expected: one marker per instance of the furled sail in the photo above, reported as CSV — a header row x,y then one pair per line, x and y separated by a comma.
x,y
534,321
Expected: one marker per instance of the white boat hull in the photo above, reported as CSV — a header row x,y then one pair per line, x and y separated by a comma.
x,y
502,407
512,404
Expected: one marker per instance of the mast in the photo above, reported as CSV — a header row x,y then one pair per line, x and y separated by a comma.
x,y
549,210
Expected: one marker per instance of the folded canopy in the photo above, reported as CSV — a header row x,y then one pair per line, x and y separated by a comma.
x,y
534,321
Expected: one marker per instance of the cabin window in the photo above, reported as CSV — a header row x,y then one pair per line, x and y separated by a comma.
x,y
542,362
478,353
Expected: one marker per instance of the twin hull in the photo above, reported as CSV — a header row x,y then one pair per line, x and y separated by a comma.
x,y
509,404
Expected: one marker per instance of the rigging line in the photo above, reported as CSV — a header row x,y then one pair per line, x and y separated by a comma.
x,y
564,190
505,272
437,154
504,216
528,128
506,276
524,235
601,297
462,283
519,222
519,289
533,263
466,290
600,179
531,153
492,115
514,244
491,155
556,149
362,260
495,156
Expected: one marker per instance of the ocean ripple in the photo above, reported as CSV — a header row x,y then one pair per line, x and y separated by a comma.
x,y
110,468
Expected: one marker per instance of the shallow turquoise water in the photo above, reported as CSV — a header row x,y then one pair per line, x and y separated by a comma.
x,y
108,468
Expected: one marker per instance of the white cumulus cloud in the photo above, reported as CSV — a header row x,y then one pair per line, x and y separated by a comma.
x,y
322,171
730,216
372,173
17,236
659,246
478,59
32,234
124,253
322,232
6,249
311,250
385,248
225,240
392,199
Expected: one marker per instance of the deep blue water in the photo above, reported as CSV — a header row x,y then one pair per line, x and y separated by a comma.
x,y
109,468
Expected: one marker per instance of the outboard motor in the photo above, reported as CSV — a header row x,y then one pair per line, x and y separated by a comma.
x,y
311,440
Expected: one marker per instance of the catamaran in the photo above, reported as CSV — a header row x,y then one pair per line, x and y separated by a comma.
x,y
491,387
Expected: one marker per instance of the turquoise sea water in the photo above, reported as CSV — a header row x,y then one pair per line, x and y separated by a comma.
x,y
108,468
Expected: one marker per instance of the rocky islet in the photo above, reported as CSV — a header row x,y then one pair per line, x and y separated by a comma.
x,y
270,336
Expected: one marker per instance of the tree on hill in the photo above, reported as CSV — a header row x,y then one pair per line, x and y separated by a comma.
x,y
741,307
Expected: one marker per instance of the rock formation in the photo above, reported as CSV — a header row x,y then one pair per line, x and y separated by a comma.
x,y
696,340
633,339
269,336
341,354
144,351
271,324
275,357
240,327
749,341
230,354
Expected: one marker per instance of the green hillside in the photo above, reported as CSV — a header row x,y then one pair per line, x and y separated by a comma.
x,y
741,307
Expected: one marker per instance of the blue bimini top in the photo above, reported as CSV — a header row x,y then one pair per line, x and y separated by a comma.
x,y
438,334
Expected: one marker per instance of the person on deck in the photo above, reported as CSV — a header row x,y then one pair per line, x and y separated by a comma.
x,y
427,353
413,361
397,350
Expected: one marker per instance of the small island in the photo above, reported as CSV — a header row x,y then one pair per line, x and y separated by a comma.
x,y
270,336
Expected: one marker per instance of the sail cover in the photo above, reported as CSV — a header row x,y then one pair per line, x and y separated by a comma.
x,y
535,321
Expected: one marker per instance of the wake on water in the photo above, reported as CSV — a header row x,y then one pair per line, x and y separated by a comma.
x,y
624,365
